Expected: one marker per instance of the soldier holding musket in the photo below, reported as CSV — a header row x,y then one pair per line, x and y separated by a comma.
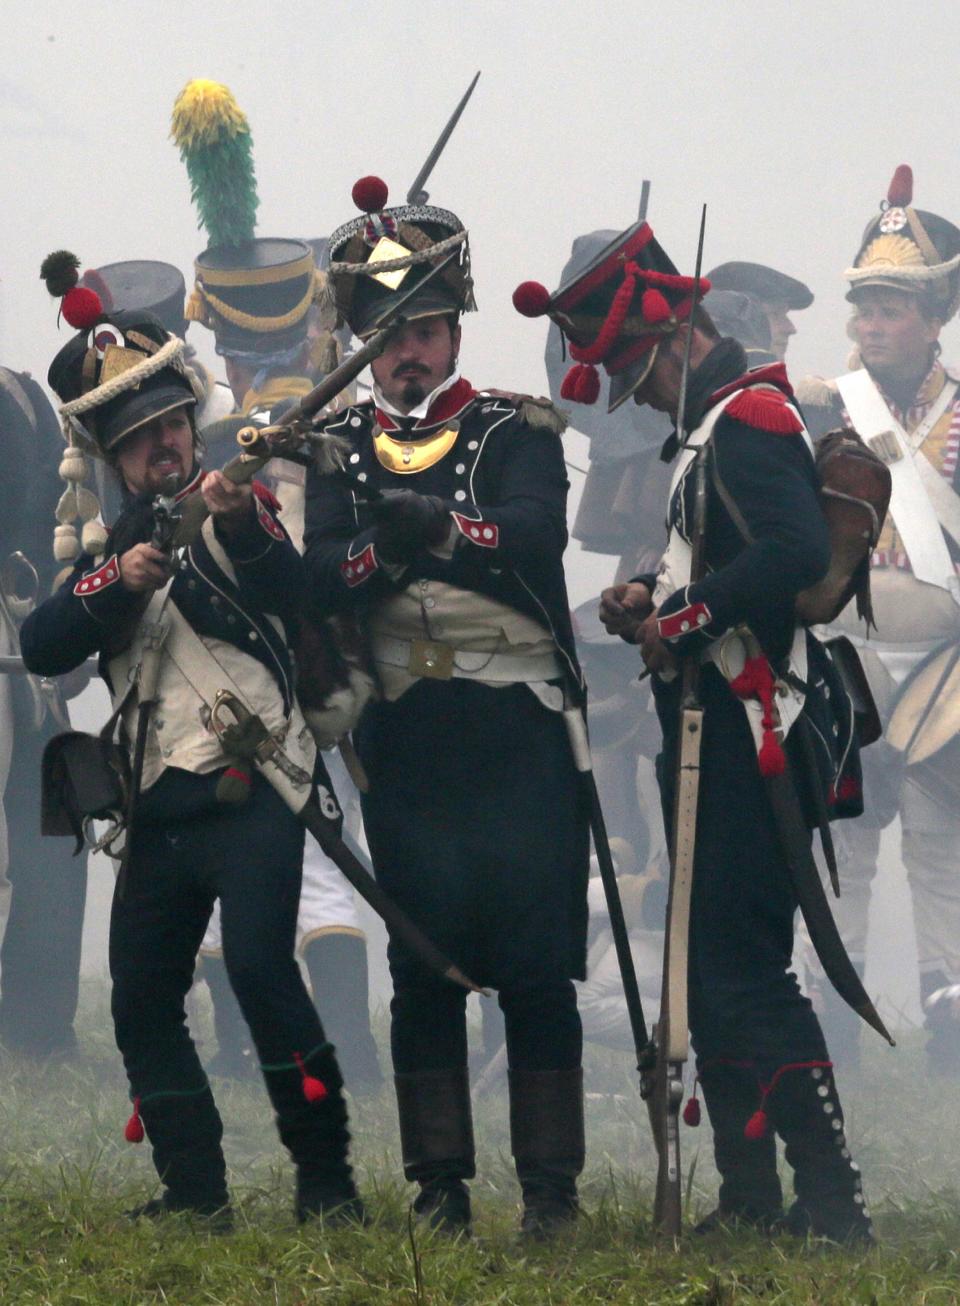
x,y
721,612
222,613
448,545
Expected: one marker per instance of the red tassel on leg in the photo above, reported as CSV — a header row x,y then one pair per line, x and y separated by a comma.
x,y
314,1090
134,1131
756,1126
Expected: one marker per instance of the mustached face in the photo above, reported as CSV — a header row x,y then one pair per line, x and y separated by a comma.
x,y
421,356
160,449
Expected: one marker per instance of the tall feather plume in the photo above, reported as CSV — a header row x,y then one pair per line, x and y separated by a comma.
x,y
213,137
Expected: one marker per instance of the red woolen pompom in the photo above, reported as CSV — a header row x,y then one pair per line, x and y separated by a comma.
x,y
370,194
568,387
900,191
587,385
314,1090
134,1132
756,1126
691,1112
771,757
81,307
654,307
531,299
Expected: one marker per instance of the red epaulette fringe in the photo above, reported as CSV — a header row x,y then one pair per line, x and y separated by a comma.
x,y
767,410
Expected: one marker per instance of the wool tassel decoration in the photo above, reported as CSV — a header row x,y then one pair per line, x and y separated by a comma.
x,y
134,1131
691,1112
756,681
654,307
588,385
213,137
756,1126
314,1090
234,784
79,305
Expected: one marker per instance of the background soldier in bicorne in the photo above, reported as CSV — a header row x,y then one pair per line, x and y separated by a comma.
x,y
776,294
474,815
762,1062
224,614
904,286
267,306
40,957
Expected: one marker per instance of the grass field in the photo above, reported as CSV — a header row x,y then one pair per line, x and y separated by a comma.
x,y
66,1177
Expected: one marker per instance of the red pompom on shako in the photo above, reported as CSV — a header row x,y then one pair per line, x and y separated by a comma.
x,y
314,1090
80,306
134,1131
531,299
370,194
900,190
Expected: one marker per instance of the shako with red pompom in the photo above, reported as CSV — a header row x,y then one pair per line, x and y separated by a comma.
x,y
370,194
80,306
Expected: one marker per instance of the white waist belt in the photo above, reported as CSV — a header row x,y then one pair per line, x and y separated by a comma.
x,y
438,661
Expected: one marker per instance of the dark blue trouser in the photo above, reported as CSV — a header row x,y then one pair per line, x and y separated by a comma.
x,y
478,828
189,850
745,1001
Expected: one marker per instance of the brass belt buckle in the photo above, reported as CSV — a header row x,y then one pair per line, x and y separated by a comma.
x,y
430,659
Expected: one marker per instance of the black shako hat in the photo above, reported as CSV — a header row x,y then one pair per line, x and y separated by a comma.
x,y
255,296
615,312
409,241
141,285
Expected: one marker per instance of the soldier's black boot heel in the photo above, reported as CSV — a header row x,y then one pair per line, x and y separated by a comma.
x,y
546,1136
750,1191
313,1125
805,1110
185,1132
436,1138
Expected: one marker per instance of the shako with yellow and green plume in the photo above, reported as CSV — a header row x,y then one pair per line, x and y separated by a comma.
x,y
254,293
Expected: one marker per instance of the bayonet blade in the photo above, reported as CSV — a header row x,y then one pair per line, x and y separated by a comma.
x,y
416,194
685,374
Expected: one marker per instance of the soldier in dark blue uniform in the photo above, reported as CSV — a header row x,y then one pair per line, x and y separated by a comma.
x,y
761,1058
474,815
128,398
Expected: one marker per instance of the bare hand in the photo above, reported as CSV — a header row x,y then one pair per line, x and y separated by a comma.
x,y
144,568
653,650
230,504
623,609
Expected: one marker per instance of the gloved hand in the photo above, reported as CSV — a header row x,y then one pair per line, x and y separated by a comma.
x,y
407,521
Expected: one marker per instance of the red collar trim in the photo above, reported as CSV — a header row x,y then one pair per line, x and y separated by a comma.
x,y
446,406
191,487
773,374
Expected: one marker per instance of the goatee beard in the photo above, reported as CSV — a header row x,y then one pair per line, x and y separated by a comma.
x,y
413,393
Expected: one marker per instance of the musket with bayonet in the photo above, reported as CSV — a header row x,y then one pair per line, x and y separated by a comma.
x,y
669,1050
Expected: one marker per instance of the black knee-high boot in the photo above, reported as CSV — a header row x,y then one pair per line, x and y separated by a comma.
x,y
749,1184
805,1110
313,1125
185,1132
547,1140
436,1138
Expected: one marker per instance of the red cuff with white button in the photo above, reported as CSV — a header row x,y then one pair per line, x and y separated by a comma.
x,y
266,520
356,570
477,531
694,617
94,582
